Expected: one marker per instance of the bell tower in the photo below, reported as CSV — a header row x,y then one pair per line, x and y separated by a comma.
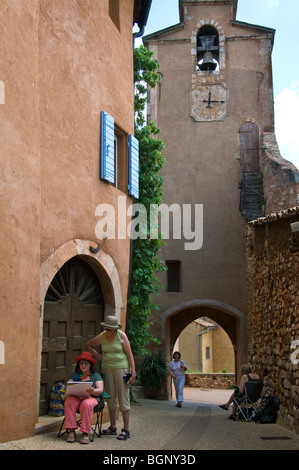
x,y
213,105
209,93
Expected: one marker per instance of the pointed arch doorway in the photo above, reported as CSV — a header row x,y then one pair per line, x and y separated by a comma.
x,y
73,311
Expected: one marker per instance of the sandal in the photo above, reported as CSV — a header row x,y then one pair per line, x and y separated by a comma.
x,y
232,417
111,431
223,407
124,435
71,436
84,439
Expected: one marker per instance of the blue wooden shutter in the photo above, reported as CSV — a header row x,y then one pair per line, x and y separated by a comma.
x,y
133,166
107,147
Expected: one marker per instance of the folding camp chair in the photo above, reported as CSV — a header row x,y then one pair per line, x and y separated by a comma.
x,y
246,405
97,427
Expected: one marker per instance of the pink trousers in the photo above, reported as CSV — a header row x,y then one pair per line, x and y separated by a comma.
x,y
85,407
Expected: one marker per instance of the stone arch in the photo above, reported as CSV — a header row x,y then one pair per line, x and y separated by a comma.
x,y
232,320
102,264
214,24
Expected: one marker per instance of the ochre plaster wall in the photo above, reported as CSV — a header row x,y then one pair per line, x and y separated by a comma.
x,y
62,63
20,217
85,68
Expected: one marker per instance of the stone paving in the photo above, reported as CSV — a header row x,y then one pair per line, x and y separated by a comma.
x,y
160,426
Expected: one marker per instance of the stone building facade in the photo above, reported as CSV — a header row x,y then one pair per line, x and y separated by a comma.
x,y
214,106
273,320
66,73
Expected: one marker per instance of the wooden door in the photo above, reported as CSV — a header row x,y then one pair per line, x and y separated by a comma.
x,y
73,312
249,148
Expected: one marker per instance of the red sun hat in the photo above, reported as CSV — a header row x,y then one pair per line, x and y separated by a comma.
x,y
85,356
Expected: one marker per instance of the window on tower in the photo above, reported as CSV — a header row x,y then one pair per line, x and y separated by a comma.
x,y
207,49
173,276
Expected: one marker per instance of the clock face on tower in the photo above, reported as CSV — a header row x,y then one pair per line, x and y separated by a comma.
x,y
208,103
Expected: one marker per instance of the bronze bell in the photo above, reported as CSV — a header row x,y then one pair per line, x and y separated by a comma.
x,y
207,63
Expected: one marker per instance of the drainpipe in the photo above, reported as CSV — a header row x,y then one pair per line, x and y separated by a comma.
x,y
137,35
198,337
142,20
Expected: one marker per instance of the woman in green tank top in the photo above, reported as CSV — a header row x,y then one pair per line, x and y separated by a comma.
x,y
117,361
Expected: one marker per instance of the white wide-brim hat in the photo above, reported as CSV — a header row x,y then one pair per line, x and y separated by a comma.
x,y
111,322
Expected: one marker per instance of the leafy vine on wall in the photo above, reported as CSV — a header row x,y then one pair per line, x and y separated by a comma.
x,y
145,262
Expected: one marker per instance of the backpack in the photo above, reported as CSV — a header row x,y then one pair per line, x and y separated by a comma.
x,y
56,407
268,409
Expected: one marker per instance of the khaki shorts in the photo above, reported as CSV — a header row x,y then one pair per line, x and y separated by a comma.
x,y
115,386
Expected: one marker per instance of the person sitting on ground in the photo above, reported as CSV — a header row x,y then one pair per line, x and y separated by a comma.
x,y
246,375
84,371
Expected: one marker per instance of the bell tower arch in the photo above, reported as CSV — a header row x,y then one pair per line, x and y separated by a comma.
x,y
231,319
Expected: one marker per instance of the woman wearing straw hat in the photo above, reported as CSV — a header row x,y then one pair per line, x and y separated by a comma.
x,y
84,371
117,361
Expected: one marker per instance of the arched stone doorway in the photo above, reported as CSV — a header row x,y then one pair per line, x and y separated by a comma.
x,y
229,318
79,288
73,311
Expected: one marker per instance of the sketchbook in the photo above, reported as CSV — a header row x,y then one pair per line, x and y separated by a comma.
x,y
78,389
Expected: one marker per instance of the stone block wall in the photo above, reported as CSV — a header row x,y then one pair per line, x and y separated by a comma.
x,y
273,321
199,380
217,381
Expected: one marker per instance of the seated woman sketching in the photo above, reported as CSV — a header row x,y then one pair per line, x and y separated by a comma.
x,y
247,375
84,372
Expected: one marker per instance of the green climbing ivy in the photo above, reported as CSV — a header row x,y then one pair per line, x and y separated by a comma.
x,y
145,261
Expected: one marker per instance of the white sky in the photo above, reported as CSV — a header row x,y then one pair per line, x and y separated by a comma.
x,y
283,16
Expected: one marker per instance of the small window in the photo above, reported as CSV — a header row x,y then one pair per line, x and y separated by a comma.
x,y
116,158
114,12
173,276
208,353
120,159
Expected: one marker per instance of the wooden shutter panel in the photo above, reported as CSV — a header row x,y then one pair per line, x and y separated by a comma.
x,y
249,147
133,166
107,147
